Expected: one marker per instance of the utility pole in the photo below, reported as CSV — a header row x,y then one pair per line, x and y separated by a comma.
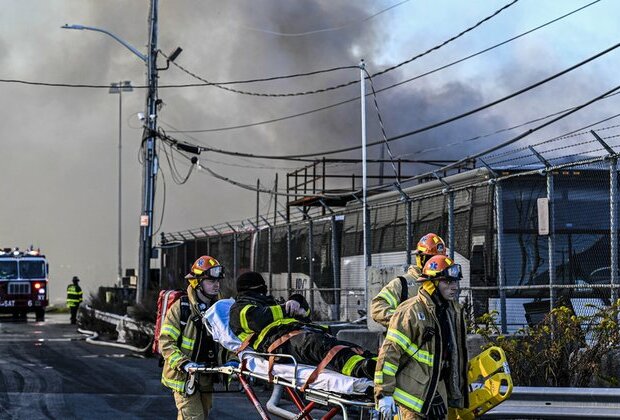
x,y
275,201
150,161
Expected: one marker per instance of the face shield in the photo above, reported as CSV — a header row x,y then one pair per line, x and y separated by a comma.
x,y
451,274
215,273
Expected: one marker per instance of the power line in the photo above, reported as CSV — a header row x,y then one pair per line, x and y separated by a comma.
x,y
188,85
337,28
301,114
446,167
575,133
502,130
351,82
423,129
382,126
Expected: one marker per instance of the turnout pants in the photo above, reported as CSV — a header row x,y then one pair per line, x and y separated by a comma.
x,y
197,406
408,414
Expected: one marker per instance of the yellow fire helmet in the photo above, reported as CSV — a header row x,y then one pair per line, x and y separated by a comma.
x,y
205,267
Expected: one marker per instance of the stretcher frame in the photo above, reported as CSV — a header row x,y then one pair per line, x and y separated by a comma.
x,y
337,403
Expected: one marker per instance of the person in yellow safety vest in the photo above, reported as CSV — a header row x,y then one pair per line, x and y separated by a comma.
x,y
186,344
74,298
422,365
393,294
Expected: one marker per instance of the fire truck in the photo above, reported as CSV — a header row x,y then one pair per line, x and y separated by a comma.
x,y
23,282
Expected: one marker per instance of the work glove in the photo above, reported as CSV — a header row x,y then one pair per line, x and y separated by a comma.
x,y
293,308
438,409
386,407
190,367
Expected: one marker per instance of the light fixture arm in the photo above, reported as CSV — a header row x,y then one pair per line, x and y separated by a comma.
x,y
118,39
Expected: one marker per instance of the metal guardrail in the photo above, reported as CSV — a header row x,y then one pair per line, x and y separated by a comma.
x,y
559,403
122,322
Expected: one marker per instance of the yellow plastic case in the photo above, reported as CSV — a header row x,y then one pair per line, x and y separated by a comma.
x,y
488,373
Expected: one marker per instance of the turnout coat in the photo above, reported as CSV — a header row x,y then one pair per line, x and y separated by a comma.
x,y
383,306
410,362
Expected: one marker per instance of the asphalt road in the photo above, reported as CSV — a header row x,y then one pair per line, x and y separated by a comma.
x,y
48,371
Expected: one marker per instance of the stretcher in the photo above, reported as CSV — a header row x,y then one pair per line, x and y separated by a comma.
x,y
488,376
331,391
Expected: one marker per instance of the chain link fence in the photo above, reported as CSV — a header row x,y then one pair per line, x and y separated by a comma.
x,y
533,228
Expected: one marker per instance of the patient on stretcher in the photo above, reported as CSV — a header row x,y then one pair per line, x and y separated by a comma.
x,y
261,323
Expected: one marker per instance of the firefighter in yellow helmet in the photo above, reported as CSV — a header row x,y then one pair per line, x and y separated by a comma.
x,y
422,365
385,303
185,343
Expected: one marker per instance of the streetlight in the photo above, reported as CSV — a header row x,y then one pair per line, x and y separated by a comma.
x,y
117,38
119,88
150,154
149,137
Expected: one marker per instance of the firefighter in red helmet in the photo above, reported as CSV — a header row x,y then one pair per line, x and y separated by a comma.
x,y
406,286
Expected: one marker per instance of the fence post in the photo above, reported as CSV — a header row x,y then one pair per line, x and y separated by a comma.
x,y
235,257
451,240
368,253
269,256
450,194
613,214
289,258
551,236
235,262
336,268
613,225
551,240
409,226
501,281
310,261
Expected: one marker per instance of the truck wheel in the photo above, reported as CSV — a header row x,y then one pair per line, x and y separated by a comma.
x,y
40,314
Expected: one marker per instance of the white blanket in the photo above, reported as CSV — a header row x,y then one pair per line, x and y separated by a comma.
x,y
217,320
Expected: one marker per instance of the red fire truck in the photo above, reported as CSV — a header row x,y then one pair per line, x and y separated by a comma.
x,y
23,282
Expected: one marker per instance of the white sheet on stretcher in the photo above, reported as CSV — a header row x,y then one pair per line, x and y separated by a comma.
x,y
217,317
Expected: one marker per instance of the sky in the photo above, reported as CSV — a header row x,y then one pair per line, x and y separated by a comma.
x,y
59,159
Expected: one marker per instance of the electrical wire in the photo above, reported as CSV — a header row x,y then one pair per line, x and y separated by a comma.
x,y
366,19
574,133
176,176
163,204
428,127
274,120
188,85
382,126
351,82
520,136
509,152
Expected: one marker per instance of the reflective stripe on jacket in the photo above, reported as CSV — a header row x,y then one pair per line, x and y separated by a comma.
x,y
74,295
176,353
258,314
409,367
383,305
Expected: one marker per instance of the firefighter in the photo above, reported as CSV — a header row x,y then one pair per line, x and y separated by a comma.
x,y
383,305
422,365
268,327
187,345
74,298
